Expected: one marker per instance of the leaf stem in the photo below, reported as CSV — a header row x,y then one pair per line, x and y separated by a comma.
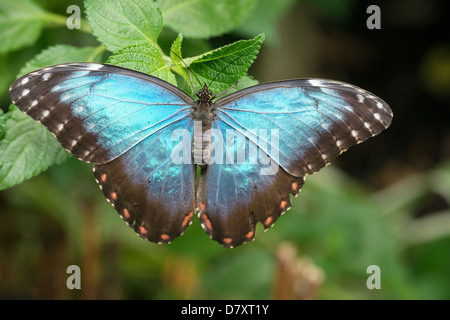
x,y
61,20
98,51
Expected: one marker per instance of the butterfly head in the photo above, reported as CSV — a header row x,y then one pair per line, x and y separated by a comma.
x,y
204,94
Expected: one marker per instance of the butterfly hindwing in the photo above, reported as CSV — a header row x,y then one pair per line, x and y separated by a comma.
x,y
153,194
234,195
99,111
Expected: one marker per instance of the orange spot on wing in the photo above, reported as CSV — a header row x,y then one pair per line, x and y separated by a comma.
x,y
250,234
186,219
268,221
294,186
227,240
165,237
142,230
103,177
126,213
207,222
114,196
283,204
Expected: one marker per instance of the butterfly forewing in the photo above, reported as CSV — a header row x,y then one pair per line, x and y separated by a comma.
x,y
98,111
316,119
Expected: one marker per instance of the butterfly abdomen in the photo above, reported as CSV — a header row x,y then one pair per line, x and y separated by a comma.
x,y
202,139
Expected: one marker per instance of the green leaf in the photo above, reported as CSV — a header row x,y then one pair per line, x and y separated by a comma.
x,y
224,65
21,23
178,65
204,18
26,147
145,58
121,23
2,123
175,50
62,54
245,82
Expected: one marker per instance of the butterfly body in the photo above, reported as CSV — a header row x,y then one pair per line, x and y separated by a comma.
x,y
145,138
203,114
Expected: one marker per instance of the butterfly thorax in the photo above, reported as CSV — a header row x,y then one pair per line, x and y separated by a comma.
x,y
203,116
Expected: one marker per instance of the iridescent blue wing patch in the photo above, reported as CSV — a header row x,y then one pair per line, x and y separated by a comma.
x,y
316,120
234,194
121,121
99,111
153,194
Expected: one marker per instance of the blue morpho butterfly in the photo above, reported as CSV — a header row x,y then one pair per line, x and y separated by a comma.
x,y
133,127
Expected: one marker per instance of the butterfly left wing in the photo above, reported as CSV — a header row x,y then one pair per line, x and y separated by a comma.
x,y
121,121
315,120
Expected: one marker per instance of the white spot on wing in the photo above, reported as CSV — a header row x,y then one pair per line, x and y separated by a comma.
x,y
45,113
25,80
96,66
33,103
46,76
315,82
25,92
360,98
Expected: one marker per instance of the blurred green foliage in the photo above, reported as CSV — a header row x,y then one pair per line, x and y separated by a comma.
x,y
60,217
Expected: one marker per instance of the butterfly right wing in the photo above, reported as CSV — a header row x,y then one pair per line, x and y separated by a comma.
x,y
312,120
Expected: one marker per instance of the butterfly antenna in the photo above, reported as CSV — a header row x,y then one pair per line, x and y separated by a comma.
x,y
224,70
190,73
231,87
